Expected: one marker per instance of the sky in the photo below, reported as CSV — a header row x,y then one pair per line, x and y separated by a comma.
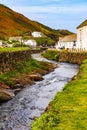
x,y
57,14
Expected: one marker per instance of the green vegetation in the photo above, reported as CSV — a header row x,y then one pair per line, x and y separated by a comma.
x,y
22,68
51,54
13,49
18,44
65,56
10,56
45,41
17,69
68,110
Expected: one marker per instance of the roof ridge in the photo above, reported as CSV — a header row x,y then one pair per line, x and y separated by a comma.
x,y
84,23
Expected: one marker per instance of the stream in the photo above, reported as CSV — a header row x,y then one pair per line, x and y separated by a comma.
x,y
31,102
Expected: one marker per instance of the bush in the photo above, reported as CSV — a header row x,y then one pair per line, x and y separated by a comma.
x,y
45,41
51,54
18,44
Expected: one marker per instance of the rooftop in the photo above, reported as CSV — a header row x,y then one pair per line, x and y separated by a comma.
x,y
82,24
69,38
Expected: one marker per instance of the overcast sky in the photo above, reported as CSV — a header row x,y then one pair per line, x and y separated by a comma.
x,y
57,14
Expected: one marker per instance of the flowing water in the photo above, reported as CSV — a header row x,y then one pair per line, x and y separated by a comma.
x,y
31,102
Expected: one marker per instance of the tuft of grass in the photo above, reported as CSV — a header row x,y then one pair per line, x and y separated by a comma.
x,y
51,54
68,110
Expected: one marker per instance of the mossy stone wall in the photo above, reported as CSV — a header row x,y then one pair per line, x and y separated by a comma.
x,y
72,57
65,56
8,59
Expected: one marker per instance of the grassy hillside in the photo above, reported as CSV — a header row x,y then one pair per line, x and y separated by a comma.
x,y
13,24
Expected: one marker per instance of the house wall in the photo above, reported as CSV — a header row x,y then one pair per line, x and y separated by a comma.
x,y
36,34
30,43
82,38
66,45
15,39
0,43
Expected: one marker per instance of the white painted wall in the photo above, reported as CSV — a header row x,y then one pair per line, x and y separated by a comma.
x,y
82,38
30,43
36,34
0,43
15,39
67,45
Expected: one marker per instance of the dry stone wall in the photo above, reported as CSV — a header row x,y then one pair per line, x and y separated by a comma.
x,y
8,59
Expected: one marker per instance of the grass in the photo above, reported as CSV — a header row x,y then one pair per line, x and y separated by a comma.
x,y
51,54
23,68
68,110
13,49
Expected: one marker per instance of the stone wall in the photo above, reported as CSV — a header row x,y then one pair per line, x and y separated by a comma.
x,y
72,57
66,56
8,59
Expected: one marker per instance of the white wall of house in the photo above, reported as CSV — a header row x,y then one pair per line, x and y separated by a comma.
x,y
66,45
36,34
0,43
67,42
82,38
15,39
31,43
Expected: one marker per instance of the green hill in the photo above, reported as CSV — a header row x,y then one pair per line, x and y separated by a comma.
x,y
15,24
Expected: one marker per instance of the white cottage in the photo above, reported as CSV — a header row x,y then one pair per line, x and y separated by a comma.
x,y
82,36
0,43
36,34
67,42
31,43
17,38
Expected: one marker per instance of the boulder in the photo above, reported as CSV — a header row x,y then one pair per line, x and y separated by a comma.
x,y
16,91
36,77
5,95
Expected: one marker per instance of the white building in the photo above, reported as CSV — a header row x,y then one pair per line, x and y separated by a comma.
x,y
16,39
82,36
31,43
0,43
36,34
67,42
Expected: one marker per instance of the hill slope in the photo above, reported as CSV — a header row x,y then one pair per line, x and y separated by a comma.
x,y
13,24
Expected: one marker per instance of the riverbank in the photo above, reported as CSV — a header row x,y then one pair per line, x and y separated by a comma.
x,y
20,69
14,81
68,109
31,102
